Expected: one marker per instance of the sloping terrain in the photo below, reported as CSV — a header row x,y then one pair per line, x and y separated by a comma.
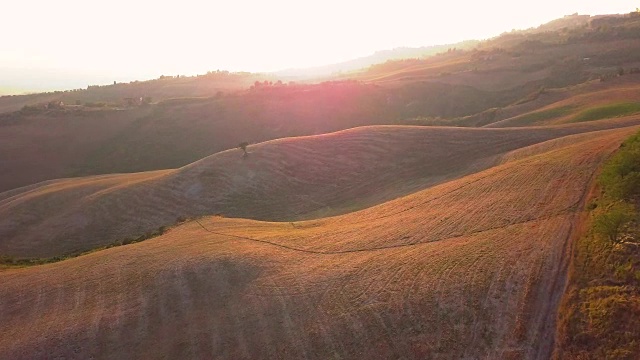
x,y
374,242
35,144
548,56
599,315
281,180
470,268
166,87
595,101
522,78
38,147
45,144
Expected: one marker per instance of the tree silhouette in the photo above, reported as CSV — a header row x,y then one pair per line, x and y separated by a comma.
x,y
243,145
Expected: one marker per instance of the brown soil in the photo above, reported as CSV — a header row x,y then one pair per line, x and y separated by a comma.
x,y
469,268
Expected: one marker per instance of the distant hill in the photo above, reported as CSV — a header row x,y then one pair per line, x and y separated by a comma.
x,y
344,68
166,87
40,143
579,50
170,122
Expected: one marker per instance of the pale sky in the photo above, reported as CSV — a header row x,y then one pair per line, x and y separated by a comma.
x,y
48,44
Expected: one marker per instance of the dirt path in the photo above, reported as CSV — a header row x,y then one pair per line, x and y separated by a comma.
x,y
559,286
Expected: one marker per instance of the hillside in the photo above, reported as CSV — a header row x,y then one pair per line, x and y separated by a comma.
x,y
470,268
478,200
524,70
587,102
176,132
45,144
550,56
41,146
357,65
599,316
543,76
281,180
165,87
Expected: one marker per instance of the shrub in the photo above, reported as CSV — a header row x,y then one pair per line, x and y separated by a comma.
x,y
620,178
611,222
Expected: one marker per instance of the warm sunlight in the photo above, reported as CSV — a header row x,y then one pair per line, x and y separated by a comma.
x,y
320,180
62,41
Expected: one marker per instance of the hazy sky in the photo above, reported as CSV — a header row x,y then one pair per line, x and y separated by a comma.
x,y
48,44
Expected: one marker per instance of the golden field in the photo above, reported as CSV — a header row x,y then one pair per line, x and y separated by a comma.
x,y
470,267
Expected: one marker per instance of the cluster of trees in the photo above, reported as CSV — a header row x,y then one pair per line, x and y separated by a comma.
x,y
270,84
220,74
620,182
620,71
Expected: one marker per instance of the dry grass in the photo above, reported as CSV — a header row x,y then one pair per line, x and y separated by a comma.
x,y
47,146
38,146
282,180
51,144
471,268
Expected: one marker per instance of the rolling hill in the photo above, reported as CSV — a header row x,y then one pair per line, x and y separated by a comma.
x,y
166,87
550,56
426,207
45,144
39,145
587,102
471,267
281,180
542,76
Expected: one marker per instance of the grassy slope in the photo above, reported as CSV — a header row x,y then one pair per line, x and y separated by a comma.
x,y
469,268
513,63
522,63
595,101
608,111
600,313
282,180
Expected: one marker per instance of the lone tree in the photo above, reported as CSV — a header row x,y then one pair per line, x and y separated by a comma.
x,y
243,145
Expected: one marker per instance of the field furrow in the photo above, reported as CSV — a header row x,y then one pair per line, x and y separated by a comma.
x,y
469,268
